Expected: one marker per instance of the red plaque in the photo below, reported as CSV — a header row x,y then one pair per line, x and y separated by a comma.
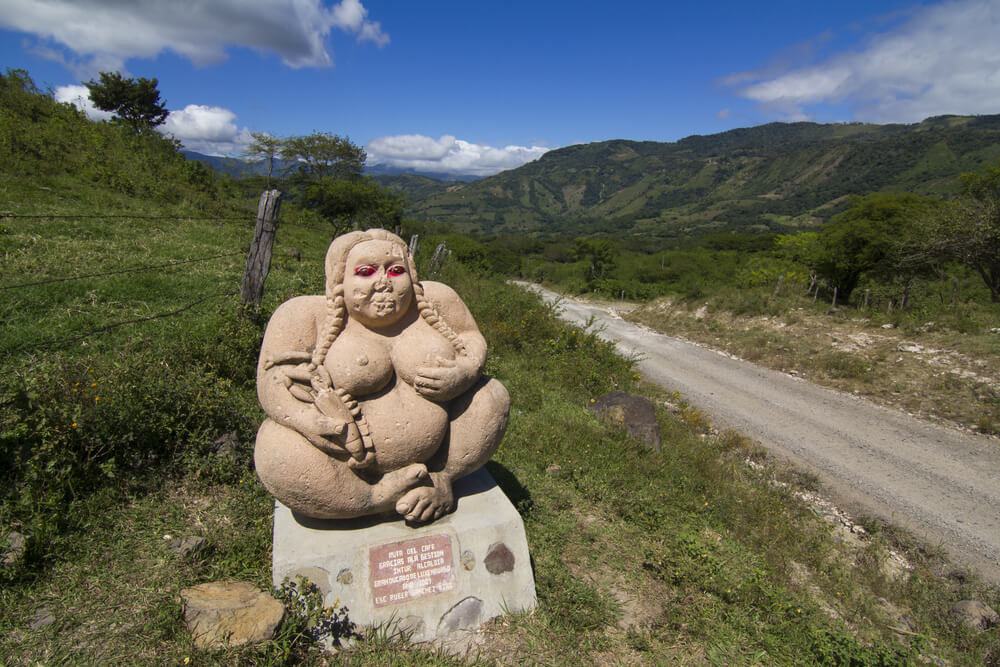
x,y
411,569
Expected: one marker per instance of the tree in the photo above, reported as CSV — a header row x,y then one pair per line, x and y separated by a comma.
x,y
133,101
968,229
265,147
356,202
601,256
322,155
865,238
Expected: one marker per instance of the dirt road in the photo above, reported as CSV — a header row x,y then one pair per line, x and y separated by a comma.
x,y
939,483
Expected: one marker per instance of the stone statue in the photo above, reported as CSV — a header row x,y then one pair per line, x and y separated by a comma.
x,y
375,396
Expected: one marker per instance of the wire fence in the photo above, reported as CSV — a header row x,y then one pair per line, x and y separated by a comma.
x,y
138,269
131,270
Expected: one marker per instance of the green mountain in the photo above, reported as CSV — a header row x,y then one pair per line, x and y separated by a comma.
x,y
416,187
771,177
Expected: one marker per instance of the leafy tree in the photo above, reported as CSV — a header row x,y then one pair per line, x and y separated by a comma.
x,y
265,147
865,238
968,230
322,155
600,254
360,202
133,101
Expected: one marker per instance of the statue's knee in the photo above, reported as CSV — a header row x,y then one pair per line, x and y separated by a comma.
x,y
498,395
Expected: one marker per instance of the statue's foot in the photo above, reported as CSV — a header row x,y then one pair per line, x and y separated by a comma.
x,y
394,484
427,503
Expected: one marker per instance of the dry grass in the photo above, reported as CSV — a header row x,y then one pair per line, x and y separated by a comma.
x,y
925,370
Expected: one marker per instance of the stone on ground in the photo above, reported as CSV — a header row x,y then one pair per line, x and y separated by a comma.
x,y
231,613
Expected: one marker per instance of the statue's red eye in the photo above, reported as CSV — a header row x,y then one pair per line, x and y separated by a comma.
x,y
364,270
397,270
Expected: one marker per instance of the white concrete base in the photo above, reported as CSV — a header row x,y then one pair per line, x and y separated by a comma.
x,y
454,574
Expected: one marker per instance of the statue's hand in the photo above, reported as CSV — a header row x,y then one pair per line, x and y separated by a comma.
x,y
446,379
321,433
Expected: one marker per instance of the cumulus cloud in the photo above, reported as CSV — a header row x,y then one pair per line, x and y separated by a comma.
x,y
447,155
205,129
79,97
103,34
942,59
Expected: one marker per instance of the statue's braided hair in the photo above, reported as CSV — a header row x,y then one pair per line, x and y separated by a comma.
x,y
336,266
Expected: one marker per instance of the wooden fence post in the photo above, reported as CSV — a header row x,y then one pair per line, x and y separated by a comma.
x,y
777,290
834,296
259,256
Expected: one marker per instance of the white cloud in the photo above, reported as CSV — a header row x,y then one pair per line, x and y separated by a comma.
x,y
103,34
447,155
943,59
206,129
79,97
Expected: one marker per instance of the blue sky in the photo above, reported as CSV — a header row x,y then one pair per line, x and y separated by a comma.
x,y
476,87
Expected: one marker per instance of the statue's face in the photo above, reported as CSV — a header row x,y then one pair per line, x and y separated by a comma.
x,y
378,288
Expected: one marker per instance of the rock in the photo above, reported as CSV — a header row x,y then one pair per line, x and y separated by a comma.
x,y
227,445
974,614
230,612
463,616
16,545
42,619
294,252
499,559
635,413
187,545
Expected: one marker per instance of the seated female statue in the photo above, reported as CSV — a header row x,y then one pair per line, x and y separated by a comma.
x,y
374,393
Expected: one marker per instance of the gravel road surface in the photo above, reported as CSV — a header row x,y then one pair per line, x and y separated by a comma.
x,y
939,483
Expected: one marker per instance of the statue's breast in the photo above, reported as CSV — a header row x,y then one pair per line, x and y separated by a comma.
x,y
361,367
419,346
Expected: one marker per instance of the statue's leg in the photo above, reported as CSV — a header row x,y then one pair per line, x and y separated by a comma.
x,y
314,484
478,422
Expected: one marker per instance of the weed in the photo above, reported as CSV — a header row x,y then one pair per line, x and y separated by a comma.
x,y
309,619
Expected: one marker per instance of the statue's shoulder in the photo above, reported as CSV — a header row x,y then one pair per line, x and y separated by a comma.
x,y
439,292
301,308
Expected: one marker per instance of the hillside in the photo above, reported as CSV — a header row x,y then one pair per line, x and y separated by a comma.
x,y
770,177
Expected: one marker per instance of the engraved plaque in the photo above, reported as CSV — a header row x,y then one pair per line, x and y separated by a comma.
x,y
411,569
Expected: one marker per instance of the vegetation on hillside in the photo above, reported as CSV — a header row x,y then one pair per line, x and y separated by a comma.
x,y
778,177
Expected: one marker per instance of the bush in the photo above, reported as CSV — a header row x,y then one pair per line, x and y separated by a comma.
x,y
74,427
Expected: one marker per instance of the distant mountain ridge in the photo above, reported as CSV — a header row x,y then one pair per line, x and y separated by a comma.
x,y
235,166
770,177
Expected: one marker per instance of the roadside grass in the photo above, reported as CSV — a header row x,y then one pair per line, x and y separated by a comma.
x,y
946,368
704,553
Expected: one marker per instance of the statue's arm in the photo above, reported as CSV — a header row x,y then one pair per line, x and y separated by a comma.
x,y
451,379
284,355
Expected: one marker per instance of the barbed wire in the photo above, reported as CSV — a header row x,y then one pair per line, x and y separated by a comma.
x,y
120,272
248,220
60,342
111,216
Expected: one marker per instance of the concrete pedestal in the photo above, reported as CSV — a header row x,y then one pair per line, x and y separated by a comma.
x,y
453,574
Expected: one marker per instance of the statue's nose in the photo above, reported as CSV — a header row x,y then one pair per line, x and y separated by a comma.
x,y
382,281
